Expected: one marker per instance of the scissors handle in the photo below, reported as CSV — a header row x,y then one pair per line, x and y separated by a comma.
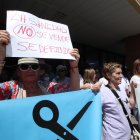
x,y
52,124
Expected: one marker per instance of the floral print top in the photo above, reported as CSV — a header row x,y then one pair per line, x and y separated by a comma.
x,y
12,89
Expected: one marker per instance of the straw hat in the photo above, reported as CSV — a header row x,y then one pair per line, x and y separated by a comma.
x,y
28,60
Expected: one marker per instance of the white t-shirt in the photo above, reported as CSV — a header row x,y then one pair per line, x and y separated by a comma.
x,y
125,84
103,81
135,79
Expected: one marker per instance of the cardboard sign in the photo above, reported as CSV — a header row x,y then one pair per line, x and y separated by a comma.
x,y
66,116
35,37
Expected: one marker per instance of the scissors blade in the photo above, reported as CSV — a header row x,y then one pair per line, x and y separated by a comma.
x,y
62,132
77,118
52,124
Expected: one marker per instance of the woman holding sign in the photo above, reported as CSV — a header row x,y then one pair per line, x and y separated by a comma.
x,y
28,71
135,85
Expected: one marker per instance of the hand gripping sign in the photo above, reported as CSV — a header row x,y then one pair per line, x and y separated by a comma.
x,y
35,37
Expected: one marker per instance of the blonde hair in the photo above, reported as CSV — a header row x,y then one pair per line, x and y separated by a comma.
x,y
136,66
89,74
109,68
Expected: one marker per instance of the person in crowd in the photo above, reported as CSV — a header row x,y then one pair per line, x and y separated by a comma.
x,y
50,71
61,78
61,72
47,70
114,121
126,85
125,80
135,83
98,75
89,80
102,79
28,71
44,77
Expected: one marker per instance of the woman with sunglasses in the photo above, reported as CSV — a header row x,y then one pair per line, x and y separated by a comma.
x,y
61,72
28,71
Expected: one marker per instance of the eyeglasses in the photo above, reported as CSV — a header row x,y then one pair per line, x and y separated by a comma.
x,y
26,67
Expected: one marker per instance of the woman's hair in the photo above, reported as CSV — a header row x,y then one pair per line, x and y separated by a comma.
x,y
109,68
136,67
89,74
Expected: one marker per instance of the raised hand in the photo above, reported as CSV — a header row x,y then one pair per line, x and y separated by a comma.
x,y
74,52
4,40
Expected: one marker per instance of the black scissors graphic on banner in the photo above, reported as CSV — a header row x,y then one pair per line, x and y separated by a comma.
x,y
52,124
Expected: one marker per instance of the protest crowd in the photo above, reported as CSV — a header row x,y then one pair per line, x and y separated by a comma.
x,y
35,77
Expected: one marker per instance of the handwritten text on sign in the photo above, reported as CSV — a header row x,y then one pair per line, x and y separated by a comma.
x,y
35,37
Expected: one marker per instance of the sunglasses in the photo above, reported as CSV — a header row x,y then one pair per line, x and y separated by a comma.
x,y
26,67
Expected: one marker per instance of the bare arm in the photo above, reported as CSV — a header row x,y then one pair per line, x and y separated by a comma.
x,y
4,40
132,99
95,87
74,71
86,86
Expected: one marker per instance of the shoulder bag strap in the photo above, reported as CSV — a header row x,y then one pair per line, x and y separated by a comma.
x,y
124,110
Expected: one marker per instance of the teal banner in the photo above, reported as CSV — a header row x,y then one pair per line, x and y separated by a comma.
x,y
66,116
